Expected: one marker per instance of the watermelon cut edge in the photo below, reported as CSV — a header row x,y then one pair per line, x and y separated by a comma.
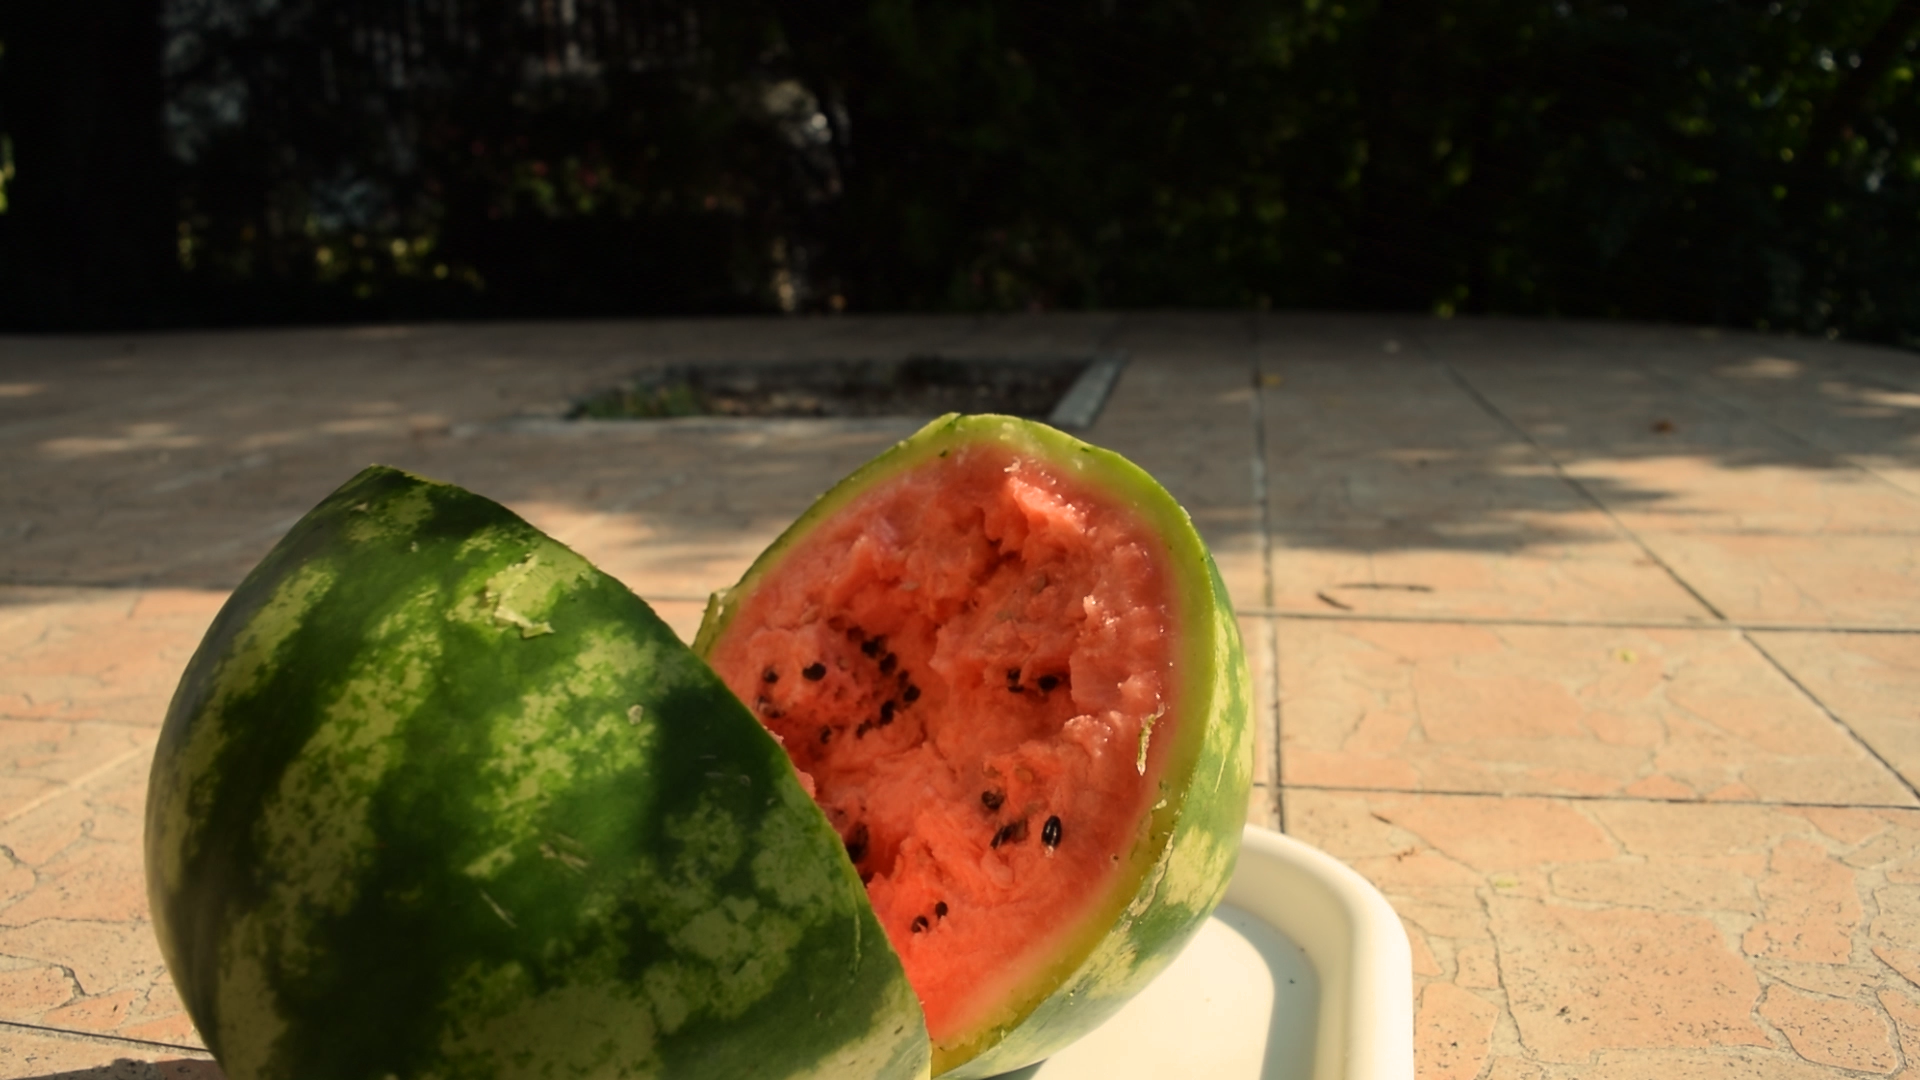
x,y
1176,877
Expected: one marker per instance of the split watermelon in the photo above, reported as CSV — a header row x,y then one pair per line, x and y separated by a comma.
x,y
437,799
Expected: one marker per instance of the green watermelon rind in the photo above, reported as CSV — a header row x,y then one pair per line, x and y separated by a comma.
x,y
1189,847
437,799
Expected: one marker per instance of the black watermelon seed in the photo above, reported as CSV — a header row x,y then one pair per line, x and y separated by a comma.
x,y
919,924
912,694
1016,688
765,705
886,713
1048,682
1011,833
1013,674
857,842
814,672
992,799
887,663
1050,835
826,733
769,675
940,909
861,731
872,648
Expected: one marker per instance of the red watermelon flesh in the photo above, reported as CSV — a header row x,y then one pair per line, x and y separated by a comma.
x,y
965,665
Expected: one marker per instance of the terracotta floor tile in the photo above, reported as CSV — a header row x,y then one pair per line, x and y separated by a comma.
x,y
1584,981
1672,714
25,1053
1509,491
34,990
104,957
1665,451
1665,838
1624,931
1800,580
1209,470
1351,403
1739,1063
58,754
1498,572
1855,402
1844,1034
1905,1011
1870,681
96,881
99,655
1681,491
1455,1032
84,911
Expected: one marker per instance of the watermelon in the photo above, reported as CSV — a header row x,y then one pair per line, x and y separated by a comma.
x,y
436,798
1005,666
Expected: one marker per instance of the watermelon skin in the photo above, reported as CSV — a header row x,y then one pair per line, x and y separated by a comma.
x,y
436,799
1179,870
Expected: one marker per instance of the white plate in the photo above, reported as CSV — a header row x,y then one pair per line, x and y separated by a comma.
x,y
1303,974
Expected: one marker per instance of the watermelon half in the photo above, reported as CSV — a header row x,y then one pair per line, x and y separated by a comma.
x,y
1005,666
437,799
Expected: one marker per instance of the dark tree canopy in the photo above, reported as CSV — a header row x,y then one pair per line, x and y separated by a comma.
x,y
223,161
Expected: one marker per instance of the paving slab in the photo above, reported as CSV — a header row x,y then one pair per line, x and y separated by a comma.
x,y
1870,681
1561,710
1592,644
1558,937
1394,490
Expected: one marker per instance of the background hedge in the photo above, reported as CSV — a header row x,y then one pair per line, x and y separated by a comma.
x,y
240,161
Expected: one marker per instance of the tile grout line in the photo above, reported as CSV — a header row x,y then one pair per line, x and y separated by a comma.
x,y
104,1037
1830,714
1269,639
1567,478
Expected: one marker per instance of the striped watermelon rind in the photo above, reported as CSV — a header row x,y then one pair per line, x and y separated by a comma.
x,y
436,799
1178,872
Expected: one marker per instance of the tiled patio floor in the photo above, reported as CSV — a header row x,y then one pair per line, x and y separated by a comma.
x,y
1597,648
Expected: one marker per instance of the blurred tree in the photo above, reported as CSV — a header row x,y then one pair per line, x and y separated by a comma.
x,y
88,234
1747,162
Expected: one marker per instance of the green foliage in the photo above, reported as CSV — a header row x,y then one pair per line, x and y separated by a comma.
x,y
1717,161
1573,158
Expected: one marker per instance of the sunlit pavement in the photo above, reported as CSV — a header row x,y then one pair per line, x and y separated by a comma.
x,y
1596,647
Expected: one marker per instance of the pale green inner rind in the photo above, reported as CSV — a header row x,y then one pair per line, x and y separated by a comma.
x,y
1171,902
1177,875
437,799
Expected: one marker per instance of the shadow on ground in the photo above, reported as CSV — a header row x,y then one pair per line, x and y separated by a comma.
x,y
176,461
